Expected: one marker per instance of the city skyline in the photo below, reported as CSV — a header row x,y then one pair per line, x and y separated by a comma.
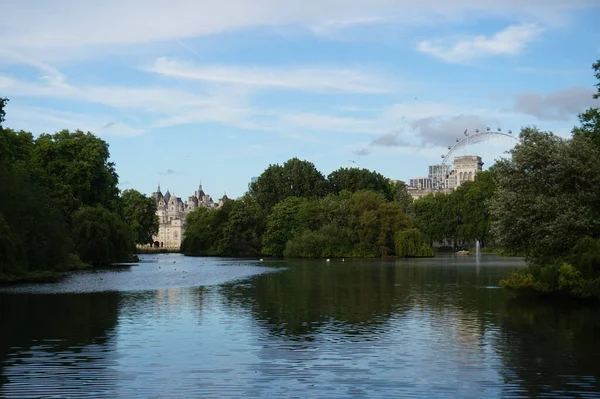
x,y
215,92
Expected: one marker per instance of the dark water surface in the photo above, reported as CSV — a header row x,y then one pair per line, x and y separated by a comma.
x,y
175,327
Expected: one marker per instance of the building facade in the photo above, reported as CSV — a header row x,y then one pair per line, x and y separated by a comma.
x,y
444,179
172,213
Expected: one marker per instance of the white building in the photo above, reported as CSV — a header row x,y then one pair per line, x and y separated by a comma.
x,y
172,213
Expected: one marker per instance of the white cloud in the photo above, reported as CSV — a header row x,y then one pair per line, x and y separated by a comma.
x,y
43,120
60,28
509,41
297,78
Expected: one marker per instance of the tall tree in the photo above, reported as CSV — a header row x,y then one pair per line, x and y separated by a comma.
x,y
296,178
139,213
76,166
471,204
356,179
547,196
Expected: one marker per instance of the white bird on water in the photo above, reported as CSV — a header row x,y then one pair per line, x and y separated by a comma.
x,y
328,259
260,260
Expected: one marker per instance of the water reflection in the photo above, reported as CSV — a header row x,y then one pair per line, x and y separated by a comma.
x,y
419,328
57,342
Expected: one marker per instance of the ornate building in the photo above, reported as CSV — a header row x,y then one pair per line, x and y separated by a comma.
x,y
172,212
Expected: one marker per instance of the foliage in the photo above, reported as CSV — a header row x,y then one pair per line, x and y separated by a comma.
x,y
33,233
3,102
410,243
44,183
242,231
282,223
555,183
401,195
101,237
346,224
76,166
139,212
295,178
547,195
463,214
355,179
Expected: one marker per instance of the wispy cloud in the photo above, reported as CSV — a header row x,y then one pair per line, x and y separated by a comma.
x,y
509,41
312,79
44,120
62,30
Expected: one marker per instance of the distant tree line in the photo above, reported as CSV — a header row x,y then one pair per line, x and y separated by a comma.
x,y
294,210
60,205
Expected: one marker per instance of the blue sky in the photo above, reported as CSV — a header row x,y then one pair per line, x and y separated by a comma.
x,y
188,91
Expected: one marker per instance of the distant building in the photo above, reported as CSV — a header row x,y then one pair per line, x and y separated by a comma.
x,y
172,213
443,179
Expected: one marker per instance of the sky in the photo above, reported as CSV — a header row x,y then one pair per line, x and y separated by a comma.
x,y
213,92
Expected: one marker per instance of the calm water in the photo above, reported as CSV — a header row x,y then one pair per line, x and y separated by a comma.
x,y
175,327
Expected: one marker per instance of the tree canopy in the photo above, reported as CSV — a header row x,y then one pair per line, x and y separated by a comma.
x,y
47,183
139,213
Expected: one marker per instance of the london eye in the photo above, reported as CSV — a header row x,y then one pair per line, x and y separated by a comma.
x,y
444,169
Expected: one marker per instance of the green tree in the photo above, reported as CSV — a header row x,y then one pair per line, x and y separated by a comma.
x,y
547,195
101,237
356,179
200,232
471,204
139,213
282,224
436,216
295,178
34,232
410,243
242,232
75,165
3,102
400,194
590,119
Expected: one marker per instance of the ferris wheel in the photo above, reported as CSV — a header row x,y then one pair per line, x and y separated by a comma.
x,y
443,170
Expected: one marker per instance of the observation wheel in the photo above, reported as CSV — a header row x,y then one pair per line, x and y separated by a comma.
x,y
442,174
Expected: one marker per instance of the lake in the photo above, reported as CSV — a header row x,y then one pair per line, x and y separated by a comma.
x,y
179,327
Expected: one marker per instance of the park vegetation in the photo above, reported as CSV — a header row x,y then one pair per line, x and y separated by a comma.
x,y
61,207
293,210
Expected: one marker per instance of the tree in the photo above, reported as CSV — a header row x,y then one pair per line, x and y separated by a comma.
x,y
75,165
410,243
400,194
3,102
547,196
101,237
200,232
139,213
436,216
355,179
282,224
590,119
471,203
295,178
242,232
